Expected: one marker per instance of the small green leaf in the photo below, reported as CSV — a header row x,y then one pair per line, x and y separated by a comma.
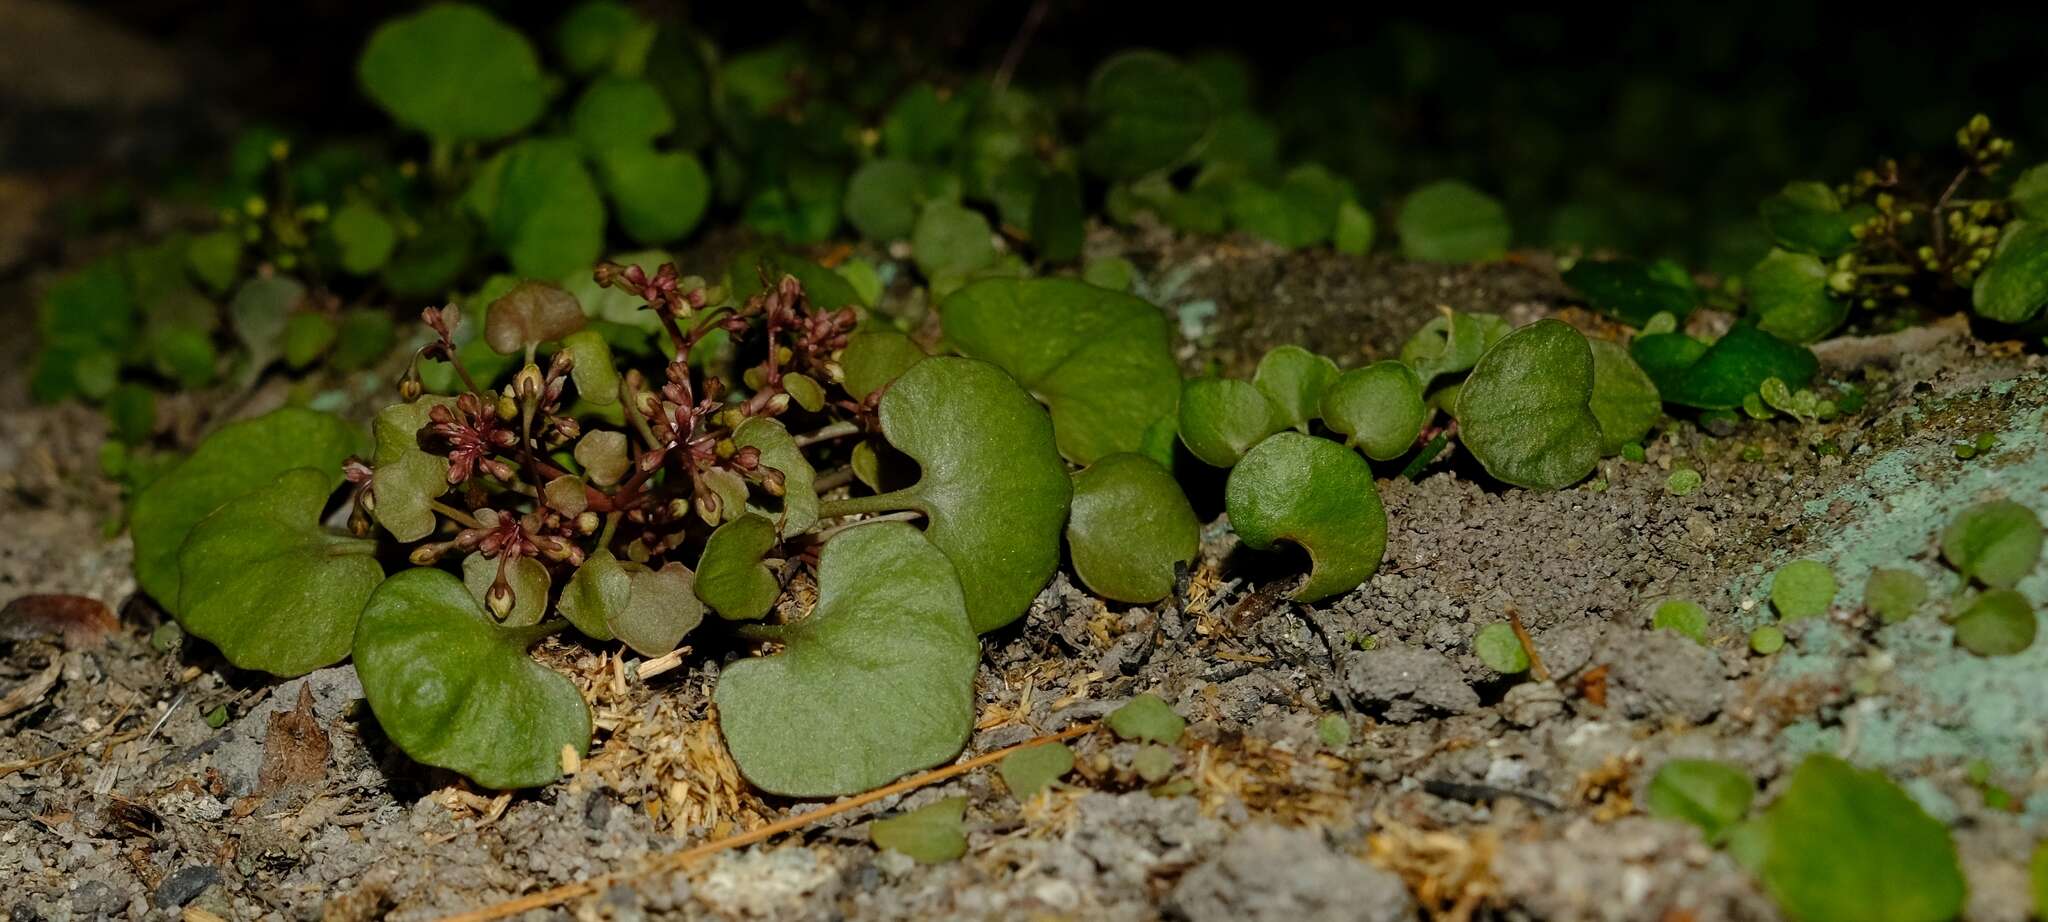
x,y
1995,543
596,594
529,581
930,834
1807,217
1114,273
921,126
1451,343
427,263
1999,622
1690,373
730,575
1682,615
590,34
405,479
1789,292
1146,112
456,691
1802,589
262,581
1450,221
1526,410
1028,771
595,374
454,72
307,337
1767,640
1683,482
1378,408
994,488
751,269
1841,843
215,259
1101,361
1314,493
259,315
1146,718
883,197
659,196
1129,525
797,509
1713,796
1334,731
950,239
1500,649
1625,400
1294,379
877,682
1632,291
240,458
1894,595
2038,868
804,391
542,208
1222,418
363,338
661,608
363,237
1153,763
1353,234
619,113
602,452
873,358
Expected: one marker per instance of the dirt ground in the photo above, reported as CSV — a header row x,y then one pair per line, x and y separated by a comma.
x,y
1459,791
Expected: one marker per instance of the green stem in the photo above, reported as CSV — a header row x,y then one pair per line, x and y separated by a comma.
x,y
535,633
441,160
454,513
893,501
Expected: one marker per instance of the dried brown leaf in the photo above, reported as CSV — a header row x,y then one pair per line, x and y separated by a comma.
x,y
294,747
82,622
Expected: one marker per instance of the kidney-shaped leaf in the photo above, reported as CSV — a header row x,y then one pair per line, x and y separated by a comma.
x,y
1632,291
594,596
1378,408
527,577
1525,412
406,479
1843,843
1101,360
877,682
1129,525
238,459
531,313
1317,494
455,72
1147,112
456,691
873,358
266,584
730,575
993,488
661,607
1691,373
1452,342
1625,400
1294,379
1222,418
2014,287
799,503
1996,542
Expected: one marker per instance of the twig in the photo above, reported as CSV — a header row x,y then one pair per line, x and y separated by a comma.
x,y
9,768
679,860
1536,667
1015,55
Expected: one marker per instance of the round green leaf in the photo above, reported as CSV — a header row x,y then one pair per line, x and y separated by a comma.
x,y
659,196
1146,112
877,682
1526,410
1690,373
1449,221
405,479
1807,217
1101,360
1452,342
1353,234
261,580
1500,649
950,239
1129,524
589,37
921,126
1147,718
1378,409
1294,379
730,575
259,315
1841,843
602,452
661,607
1633,291
2014,287
873,358
1222,418
994,489
1317,494
1802,589
364,237
619,112
454,72
1789,292
215,259
797,509
456,691
1028,771
1713,796
1625,400
883,198
930,834
1999,622
543,208
240,458
1681,615
596,594
427,263
595,374
1995,543
1894,595
529,581
533,312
